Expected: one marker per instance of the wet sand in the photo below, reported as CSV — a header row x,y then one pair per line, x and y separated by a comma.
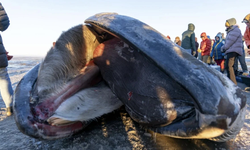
x,y
115,131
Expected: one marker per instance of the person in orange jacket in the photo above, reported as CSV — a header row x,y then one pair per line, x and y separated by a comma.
x,y
177,41
205,47
246,20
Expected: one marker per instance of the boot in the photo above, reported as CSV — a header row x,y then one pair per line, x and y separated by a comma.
x,y
9,111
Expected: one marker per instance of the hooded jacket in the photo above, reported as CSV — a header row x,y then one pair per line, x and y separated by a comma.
x,y
230,22
247,37
216,50
4,24
233,41
205,45
188,38
247,32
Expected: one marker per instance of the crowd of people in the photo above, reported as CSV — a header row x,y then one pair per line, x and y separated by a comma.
x,y
225,52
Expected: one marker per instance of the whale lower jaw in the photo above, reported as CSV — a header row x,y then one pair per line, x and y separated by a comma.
x,y
216,134
233,130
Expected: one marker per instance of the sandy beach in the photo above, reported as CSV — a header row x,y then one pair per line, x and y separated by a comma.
x,y
115,131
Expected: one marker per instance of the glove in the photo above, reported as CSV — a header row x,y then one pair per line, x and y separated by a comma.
x,y
9,57
194,52
222,50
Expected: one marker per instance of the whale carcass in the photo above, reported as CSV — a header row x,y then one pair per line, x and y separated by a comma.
x,y
114,60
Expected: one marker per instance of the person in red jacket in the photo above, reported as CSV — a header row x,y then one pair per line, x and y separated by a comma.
x,y
246,20
205,47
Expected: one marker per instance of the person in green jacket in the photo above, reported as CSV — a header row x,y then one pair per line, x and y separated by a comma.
x,y
188,39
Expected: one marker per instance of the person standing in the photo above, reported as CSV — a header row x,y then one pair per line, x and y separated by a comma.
x,y
188,39
196,48
177,41
5,84
210,59
216,52
205,47
246,20
232,47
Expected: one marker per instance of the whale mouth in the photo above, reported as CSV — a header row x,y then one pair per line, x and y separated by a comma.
x,y
34,118
39,117
44,109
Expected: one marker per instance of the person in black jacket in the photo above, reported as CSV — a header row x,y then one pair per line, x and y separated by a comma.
x,y
5,84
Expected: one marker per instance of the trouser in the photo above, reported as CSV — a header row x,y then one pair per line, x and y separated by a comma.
x,y
242,63
204,58
199,56
195,54
229,66
221,63
189,51
5,87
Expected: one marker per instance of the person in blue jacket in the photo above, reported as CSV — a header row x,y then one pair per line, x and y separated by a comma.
x,y
216,52
5,84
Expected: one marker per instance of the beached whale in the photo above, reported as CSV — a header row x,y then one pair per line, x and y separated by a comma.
x,y
115,60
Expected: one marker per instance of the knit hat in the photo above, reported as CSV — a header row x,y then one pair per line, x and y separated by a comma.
x,y
246,19
230,22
